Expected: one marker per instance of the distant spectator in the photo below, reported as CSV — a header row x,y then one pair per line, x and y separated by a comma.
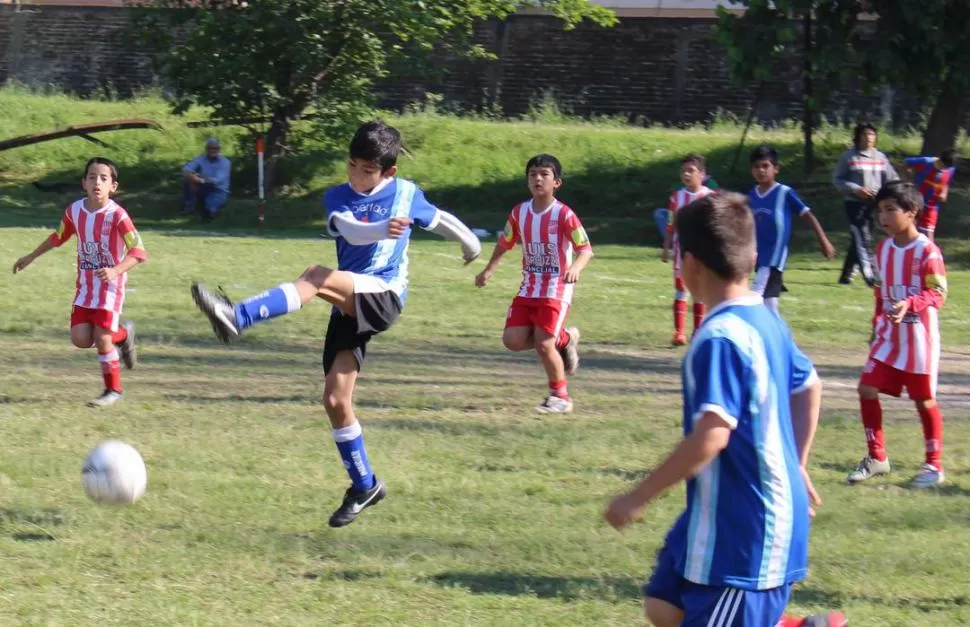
x,y
206,180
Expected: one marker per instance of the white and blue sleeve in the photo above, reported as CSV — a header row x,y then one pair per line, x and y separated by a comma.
x,y
717,371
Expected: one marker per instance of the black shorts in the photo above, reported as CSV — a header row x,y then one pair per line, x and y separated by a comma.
x,y
769,282
376,312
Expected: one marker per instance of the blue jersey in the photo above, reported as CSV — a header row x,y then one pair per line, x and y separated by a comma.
x,y
747,519
386,260
773,213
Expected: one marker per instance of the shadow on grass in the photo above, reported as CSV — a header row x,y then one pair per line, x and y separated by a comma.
x,y
541,586
835,600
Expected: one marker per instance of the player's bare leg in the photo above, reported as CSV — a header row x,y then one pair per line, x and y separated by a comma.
x,y
662,614
338,394
228,319
82,335
518,339
875,462
558,401
110,366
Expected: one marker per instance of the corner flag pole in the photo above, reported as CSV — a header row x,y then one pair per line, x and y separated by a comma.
x,y
260,149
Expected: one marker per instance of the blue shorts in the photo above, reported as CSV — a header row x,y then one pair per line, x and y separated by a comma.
x,y
714,606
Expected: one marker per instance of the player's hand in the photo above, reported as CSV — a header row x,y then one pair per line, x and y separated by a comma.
x,y
814,500
482,277
396,227
106,274
471,255
571,276
622,511
22,263
898,311
828,250
863,193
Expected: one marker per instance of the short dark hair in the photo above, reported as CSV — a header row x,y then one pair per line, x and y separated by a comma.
x,y
764,152
948,157
545,161
718,230
861,128
376,141
903,193
102,161
696,159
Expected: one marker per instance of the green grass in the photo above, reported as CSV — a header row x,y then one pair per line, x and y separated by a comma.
x,y
494,513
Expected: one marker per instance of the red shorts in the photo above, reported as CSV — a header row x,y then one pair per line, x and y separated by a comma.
x,y
103,318
889,380
547,314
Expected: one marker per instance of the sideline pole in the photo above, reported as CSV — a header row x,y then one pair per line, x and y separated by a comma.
x,y
260,149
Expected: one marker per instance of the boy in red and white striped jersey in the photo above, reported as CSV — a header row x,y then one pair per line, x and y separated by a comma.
x,y
905,349
550,234
692,174
107,247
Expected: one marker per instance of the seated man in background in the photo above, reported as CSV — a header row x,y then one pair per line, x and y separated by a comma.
x,y
206,179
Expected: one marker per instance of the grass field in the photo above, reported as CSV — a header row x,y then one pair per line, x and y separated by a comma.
x,y
494,513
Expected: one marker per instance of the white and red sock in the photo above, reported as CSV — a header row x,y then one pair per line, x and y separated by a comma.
x,y
932,420
559,389
111,370
680,316
872,421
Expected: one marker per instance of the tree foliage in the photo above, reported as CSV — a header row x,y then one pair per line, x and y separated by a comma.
x,y
279,59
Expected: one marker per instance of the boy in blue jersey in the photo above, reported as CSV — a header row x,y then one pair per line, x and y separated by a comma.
x,y
751,404
370,216
773,205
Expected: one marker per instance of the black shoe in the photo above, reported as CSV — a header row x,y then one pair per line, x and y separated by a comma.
x,y
219,309
845,280
355,502
129,353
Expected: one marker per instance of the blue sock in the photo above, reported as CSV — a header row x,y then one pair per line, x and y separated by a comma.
x,y
278,301
350,443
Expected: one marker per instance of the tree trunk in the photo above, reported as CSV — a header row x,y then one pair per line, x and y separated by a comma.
x,y
808,102
279,130
944,124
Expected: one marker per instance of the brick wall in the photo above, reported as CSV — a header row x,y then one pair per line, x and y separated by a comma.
x,y
662,70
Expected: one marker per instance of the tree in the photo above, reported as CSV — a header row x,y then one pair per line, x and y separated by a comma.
x,y
925,46
279,59
771,35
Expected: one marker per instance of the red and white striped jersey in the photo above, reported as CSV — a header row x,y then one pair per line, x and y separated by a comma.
x,y
681,198
548,240
104,238
914,273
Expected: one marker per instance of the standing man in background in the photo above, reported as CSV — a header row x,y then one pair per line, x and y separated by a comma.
x,y
206,180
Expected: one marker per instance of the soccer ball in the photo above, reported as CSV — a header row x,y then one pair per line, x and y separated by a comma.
x,y
114,474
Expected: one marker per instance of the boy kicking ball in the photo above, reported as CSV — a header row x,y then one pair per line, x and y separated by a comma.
x,y
370,216
751,405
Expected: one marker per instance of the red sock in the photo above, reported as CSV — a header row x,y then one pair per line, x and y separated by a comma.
x,y
872,421
789,621
680,315
932,420
558,388
119,336
835,619
562,340
699,311
111,370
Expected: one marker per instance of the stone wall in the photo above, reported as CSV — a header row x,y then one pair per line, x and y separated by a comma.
x,y
658,69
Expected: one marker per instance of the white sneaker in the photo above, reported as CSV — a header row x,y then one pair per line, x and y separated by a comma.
x,y
555,405
867,469
928,477
107,398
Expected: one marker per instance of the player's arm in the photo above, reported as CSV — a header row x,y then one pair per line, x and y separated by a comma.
x,y
506,242
841,179
806,405
63,233
889,173
669,232
934,290
360,233
709,437
134,251
448,226
798,206
580,242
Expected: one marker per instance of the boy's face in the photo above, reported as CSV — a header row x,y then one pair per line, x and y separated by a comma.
x,y
691,176
366,175
98,184
542,181
764,172
868,139
894,219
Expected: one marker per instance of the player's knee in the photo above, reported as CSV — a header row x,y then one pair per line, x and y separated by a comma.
x,y
661,614
336,403
316,275
515,341
868,392
545,343
82,342
925,404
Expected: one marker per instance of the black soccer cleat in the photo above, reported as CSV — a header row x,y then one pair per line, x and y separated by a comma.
x,y
129,354
220,311
357,501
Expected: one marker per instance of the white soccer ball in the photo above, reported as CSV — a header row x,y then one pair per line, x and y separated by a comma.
x,y
114,474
